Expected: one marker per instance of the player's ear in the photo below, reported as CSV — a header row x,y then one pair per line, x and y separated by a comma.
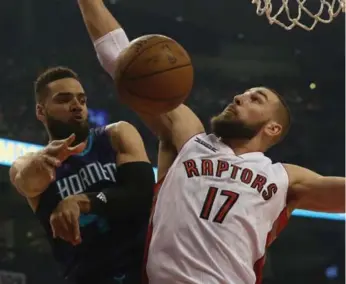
x,y
273,129
40,113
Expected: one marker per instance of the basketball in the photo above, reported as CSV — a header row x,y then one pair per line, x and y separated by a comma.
x,y
154,74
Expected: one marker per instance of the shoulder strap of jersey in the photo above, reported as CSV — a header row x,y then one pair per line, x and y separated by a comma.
x,y
189,144
100,138
98,131
281,174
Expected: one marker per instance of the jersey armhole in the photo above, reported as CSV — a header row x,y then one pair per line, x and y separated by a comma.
x,y
285,182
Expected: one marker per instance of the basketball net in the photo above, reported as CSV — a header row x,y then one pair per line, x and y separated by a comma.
x,y
329,9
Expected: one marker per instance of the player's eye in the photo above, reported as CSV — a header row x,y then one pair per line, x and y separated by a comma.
x,y
63,99
255,99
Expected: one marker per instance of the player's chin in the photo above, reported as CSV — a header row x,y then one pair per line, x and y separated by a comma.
x,y
77,121
223,118
219,126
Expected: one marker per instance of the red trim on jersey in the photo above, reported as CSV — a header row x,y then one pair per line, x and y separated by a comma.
x,y
279,224
150,231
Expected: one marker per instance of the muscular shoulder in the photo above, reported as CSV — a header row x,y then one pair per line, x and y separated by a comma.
x,y
120,128
127,142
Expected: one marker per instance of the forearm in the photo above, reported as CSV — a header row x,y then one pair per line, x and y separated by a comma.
x,y
175,127
326,194
330,193
97,18
129,198
160,125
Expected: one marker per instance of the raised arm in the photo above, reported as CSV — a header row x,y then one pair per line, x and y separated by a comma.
x,y
109,39
32,173
311,191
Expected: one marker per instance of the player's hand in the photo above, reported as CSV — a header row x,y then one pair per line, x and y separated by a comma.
x,y
64,221
58,151
47,160
40,167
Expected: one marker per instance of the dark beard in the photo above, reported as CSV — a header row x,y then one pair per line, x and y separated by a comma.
x,y
61,130
231,129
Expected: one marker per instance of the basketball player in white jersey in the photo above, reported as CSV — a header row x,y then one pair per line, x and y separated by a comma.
x,y
221,201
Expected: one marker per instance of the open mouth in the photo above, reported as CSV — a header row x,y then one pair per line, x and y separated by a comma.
x,y
231,109
77,117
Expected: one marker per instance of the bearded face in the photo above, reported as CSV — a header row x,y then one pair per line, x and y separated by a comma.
x,y
60,129
64,110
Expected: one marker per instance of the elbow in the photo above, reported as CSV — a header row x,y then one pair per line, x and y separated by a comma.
x,y
22,186
24,190
13,174
143,202
145,198
109,47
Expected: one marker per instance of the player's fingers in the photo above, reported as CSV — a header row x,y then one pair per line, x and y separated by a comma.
x,y
70,230
77,149
57,146
69,140
55,226
63,223
76,230
62,232
52,161
53,150
53,230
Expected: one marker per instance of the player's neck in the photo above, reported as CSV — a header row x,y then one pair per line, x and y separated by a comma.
x,y
242,146
74,143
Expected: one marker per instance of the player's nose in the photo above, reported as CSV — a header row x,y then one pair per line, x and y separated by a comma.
x,y
237,100
76,106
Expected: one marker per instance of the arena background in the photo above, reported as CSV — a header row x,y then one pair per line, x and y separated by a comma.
x,y
232,49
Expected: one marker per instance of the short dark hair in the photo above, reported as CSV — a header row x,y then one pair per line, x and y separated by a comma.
x,y
283,114
49,76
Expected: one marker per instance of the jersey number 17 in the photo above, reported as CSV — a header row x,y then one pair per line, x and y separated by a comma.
x,y
220,216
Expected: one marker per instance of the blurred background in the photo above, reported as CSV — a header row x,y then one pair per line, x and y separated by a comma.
x,y
232,49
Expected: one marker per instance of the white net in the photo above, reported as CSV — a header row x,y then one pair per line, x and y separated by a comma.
x,y
297,13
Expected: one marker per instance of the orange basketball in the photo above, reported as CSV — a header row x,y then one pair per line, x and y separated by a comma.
x,y
154,74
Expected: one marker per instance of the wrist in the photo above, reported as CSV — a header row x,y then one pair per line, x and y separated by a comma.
x,y
82,201
97,203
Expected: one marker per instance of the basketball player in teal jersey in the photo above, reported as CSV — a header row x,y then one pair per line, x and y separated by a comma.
x,y
91,189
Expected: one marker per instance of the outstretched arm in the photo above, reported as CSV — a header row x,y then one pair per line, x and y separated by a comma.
x,y
311,191
97,18
174,128
32,173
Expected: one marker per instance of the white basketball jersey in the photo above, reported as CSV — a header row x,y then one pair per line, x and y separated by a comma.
x,y
214,214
